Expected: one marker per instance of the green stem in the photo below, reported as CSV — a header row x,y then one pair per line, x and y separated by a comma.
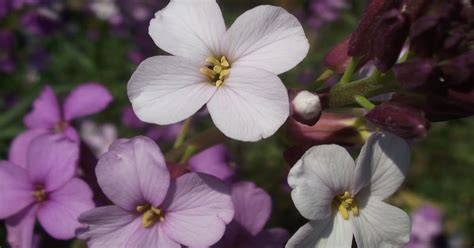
x,y
342,95
346,78
364,102
182,133
206,139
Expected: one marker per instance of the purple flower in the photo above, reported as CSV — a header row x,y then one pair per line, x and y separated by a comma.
x,y
214,161
48,116
44,187
151,210
427,224
252,210
39,22
320,12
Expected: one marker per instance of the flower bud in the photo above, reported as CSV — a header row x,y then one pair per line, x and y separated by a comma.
x,y
402,119
391,34
414,73
332,128
361,39
337,58
305,107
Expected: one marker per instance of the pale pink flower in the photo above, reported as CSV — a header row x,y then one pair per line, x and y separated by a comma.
x,y
233,72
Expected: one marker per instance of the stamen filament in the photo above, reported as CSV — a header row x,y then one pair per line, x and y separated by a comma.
x,y
217,70
345,203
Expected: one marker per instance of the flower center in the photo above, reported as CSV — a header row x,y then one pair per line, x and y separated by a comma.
x,y
60,126
39,194
345,203
216,70
151,215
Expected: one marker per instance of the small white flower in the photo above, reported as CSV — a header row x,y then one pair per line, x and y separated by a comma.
x,y
343,199
233,71
99,138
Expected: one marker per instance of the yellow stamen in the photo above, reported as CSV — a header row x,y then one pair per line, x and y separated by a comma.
x,y
345,203
39,194
210,73
213,61
151,215
216,70
224,62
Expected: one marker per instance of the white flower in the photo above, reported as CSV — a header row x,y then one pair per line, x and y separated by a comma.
x,y
343,199
233,71
99,138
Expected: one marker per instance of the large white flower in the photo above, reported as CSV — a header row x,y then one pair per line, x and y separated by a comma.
x,y
233,71
343,199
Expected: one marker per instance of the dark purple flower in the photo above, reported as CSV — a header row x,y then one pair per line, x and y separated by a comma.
x,y
361,42
253,207
389,39
415,73
43,187
399,118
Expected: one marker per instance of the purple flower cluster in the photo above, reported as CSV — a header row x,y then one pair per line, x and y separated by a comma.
x,y
434,74
154,202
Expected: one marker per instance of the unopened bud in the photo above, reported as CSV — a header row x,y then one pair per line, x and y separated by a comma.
x,y
402,119
306,107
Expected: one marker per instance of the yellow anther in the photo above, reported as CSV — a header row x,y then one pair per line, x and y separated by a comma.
x,y
210,73
225,72
151,215
213,61
345,203
224,62
40,194
216,70
142,208
344,212
355,210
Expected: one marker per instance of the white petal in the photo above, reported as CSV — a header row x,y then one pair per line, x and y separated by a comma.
x,y
266,37
382,165
381,225
251,105
165,89
188,28
331,232
322,173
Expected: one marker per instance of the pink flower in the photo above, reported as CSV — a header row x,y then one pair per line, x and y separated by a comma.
x,y
44,187
214,161
253,207
47,116
151,210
